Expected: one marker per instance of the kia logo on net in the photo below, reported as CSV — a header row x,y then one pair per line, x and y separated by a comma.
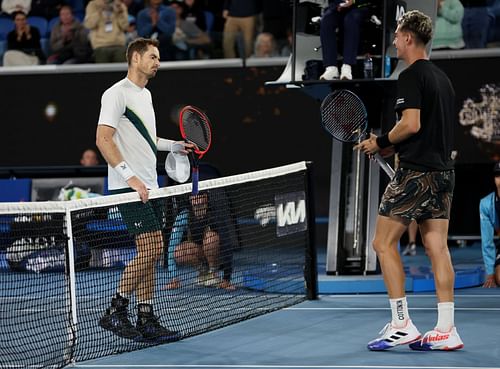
x,y
290,213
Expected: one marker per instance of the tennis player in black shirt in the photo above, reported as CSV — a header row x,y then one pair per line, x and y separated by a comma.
x,y
421,189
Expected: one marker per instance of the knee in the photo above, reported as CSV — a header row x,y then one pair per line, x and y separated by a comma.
x,y
211,241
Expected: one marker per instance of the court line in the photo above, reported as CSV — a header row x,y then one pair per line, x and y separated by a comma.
x,y
386,308
277,366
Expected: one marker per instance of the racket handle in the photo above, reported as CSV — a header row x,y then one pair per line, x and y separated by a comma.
x,y
383,164
194,178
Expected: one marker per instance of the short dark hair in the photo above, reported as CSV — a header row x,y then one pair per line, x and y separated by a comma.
x,y
17,12
419,24
140,45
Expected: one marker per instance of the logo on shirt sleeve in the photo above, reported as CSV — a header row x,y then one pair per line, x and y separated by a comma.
x,y
400,101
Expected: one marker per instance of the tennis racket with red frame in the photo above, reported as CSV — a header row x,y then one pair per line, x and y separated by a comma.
x,y
195,128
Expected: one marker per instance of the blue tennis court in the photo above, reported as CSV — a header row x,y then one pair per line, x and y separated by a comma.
x,y
331,332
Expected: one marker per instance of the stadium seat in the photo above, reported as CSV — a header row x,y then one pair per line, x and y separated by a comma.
x,y
41,23
52,23
6,25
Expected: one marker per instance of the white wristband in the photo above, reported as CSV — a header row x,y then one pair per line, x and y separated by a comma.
x,y
164,145
124,171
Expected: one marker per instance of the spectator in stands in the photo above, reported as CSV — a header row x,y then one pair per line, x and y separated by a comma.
x,y
241,16
494,33
11,6
348,15
46,8
489,213
277,20
134,6
89,158
194,12
196,242
69,41
131,33
107,21
265,46
189,40
448,34
23,44
476,23
157,21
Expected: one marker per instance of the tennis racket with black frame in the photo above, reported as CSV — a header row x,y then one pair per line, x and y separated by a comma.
x,y
195,128
344,116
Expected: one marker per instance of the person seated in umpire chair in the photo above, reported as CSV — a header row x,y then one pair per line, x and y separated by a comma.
x,y
349,16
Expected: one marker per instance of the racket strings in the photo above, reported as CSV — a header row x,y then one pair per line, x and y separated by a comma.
x,y
197,129
344,116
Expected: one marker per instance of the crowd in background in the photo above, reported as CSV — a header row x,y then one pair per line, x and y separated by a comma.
x,y
83,31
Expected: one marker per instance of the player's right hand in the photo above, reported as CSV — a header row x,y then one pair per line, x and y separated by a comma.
x,y
137,185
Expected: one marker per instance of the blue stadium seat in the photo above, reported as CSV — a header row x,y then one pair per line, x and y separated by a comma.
x,y
6,25
41,23
52,23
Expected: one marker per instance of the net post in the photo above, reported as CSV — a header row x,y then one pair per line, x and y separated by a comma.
x,y
70,273
311,267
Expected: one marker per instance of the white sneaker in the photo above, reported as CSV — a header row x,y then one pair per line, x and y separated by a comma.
x,y
331,73
208,279
346,72
392,336
437,340
410,250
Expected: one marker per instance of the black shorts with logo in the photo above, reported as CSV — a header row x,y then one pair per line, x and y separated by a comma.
x,y
142,217
413,195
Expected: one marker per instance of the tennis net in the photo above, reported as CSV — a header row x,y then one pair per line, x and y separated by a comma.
x,y
243,247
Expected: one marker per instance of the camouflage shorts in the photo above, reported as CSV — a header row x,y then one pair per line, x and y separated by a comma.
x,y
413,195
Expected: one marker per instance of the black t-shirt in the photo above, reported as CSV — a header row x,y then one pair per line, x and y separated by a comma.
x,y
426,87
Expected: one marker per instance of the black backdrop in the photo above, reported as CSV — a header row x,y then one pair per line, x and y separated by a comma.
x,y
255,127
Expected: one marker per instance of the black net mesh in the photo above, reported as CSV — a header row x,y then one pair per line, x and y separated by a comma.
x,y
344,116
189,264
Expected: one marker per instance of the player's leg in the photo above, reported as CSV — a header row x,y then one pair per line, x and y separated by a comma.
x,y
400,330
411,248
444,336
211,248
149,248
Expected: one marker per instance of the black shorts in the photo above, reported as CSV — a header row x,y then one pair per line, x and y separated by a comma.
x,y
142,217
413,195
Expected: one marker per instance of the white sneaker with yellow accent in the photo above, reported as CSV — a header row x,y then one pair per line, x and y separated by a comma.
x,y
437,340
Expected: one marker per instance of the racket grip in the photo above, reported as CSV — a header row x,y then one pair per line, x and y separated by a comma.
x,y
383,164
194,178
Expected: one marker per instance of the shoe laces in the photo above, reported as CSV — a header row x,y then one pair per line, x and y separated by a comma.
x,y
386,329
124,317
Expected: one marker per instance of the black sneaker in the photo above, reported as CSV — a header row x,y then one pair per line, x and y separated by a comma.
x,y
151,329
116,320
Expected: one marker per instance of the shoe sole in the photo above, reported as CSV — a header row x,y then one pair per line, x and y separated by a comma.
x,y
445,348
117,332
399,344
158,340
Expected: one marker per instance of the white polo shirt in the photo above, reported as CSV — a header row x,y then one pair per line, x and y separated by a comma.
x,y
129,109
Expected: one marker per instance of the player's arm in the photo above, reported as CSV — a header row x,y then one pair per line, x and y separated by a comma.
x,y
110,152
406,127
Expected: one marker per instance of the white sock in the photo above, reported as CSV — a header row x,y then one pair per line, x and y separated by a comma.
x,y
399,309
446,316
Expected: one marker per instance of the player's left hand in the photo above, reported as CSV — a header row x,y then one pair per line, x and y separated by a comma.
x,y
368,146
183,147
